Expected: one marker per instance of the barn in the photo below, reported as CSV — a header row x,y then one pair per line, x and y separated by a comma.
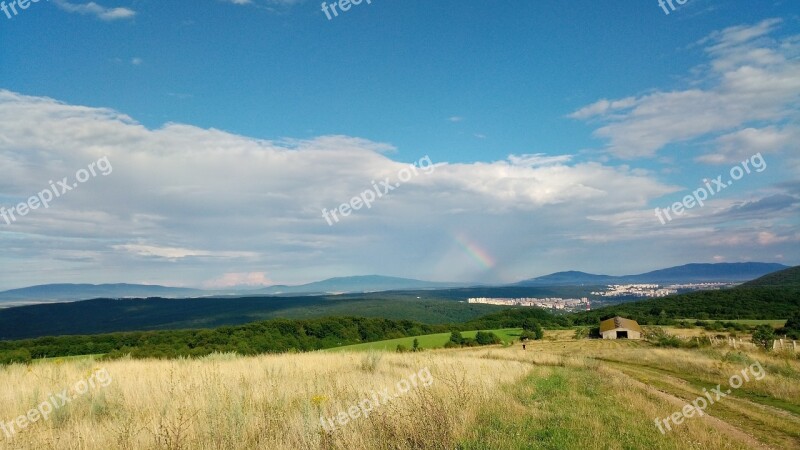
x,y
620,328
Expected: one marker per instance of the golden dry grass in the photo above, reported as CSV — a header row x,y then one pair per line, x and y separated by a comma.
x,y
549,396
262,402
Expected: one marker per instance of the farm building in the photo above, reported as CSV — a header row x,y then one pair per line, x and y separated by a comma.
x,y
619,328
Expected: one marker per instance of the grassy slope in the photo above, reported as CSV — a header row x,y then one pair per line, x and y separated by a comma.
x,y
428,341
558,394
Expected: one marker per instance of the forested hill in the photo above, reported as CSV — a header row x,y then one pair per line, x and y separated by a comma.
x,y
786,278
774,296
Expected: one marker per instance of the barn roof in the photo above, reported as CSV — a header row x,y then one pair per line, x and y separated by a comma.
x,y
619,322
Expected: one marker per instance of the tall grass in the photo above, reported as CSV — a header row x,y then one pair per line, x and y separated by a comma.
x,y
555,394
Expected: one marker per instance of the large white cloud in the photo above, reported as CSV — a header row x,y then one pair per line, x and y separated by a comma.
x,y
210,202
751,80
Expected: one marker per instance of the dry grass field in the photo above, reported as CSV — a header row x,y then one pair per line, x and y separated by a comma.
x,y
559,394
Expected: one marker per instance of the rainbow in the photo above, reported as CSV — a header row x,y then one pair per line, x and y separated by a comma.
x,y
474,251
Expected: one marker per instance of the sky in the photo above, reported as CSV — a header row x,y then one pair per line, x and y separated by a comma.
x,y
213,143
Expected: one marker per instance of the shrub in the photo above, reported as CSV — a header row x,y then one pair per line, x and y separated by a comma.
x,y
469,342
20,356
486,338
527,336
763,336
533,327
661,338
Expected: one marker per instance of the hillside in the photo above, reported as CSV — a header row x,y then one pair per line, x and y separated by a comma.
x,y
52,293
355,284
108,316
774,296
74,292
688,273
272,336
788,278
545,397
719,272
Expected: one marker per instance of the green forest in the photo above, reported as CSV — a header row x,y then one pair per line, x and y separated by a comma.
x,y
776,296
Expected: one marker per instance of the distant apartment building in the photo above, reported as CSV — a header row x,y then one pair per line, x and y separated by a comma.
x,y
556,303
636,290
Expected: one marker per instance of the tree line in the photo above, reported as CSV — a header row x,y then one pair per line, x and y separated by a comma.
x,y
282,335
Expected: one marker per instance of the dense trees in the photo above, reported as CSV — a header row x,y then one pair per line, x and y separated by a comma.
x,y
792,327
272,336
281,335
516,317
744,302
481,338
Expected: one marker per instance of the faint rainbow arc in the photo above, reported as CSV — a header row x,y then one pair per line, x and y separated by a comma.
x,y
474,251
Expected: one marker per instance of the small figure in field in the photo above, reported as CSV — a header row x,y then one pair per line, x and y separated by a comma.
x,y
523,346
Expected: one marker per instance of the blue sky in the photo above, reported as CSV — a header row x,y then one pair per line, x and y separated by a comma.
x,y
626,107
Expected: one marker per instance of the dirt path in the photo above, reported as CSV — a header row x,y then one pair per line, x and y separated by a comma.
x,y
720,425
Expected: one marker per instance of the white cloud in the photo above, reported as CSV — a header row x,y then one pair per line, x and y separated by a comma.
x,y
245,279
181,199
734,147
174,253
94,9
603,107
538,159
750,79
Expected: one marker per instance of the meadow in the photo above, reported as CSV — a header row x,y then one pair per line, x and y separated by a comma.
x,y
428,341
560,393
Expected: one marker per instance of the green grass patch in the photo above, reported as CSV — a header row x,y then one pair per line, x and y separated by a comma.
x,y
427,341
561,408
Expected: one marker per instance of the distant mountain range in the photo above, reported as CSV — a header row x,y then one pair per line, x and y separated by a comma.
x,y
366,283
53,293
72,292
690,273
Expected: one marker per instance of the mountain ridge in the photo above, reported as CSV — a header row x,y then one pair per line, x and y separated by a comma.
x,y
65,292
687,273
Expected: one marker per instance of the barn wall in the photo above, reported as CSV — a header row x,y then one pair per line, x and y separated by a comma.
x,y
612,334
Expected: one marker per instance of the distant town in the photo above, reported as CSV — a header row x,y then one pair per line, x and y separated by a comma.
x,y
557,303
656,290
